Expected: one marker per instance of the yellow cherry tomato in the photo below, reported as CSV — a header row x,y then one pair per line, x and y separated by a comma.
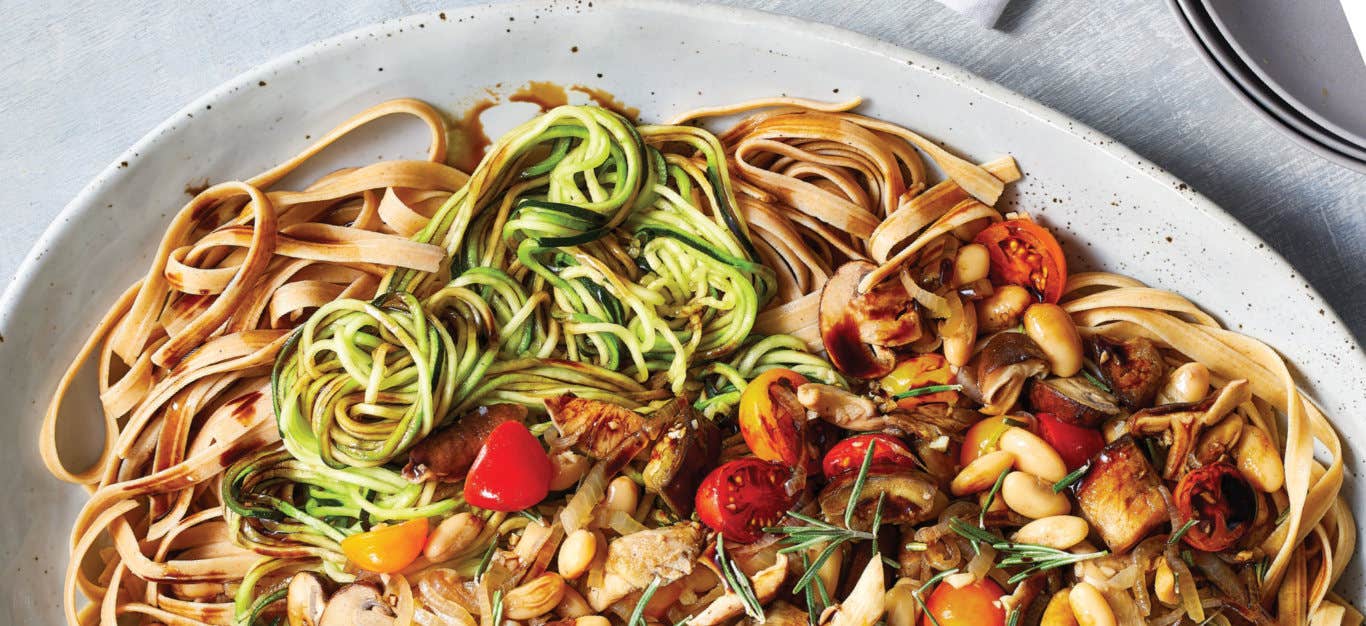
x,y
917,372
982,438
387,549
771,420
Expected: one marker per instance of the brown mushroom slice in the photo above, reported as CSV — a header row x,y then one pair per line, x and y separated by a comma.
x,y
445,455
859,330
357,604
595,427
1133,368
908,497
304,600
765,583
1003,366
1073,400
1120,496
866,601
634,560
1178,426
780,614
682,456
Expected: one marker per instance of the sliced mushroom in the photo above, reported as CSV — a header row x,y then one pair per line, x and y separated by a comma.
x,y
907,498
780,614
448,453
765,583
305,600
1120,496
1073,400
1133,368
357,604
865,603
836,405
1000,371
597,428
634,560
682,456
860,330
1179,425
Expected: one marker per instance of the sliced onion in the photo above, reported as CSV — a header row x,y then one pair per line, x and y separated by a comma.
x,y
1144,555
623,523
1185,585
936,305
579,511
1223,576
982,563
1122,605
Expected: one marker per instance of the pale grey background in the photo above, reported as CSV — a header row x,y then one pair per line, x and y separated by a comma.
x,y
82,80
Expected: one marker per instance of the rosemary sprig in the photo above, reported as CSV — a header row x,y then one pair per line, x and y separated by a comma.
x,y
735,578
1035,558
532,515
991,499
814,609
1181,532
1014,618
926,390
1285,515
484,562
927,584
1071,478
857,490
497,607
638,613
1091,378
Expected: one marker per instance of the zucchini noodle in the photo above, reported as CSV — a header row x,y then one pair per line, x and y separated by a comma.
x,y
264,381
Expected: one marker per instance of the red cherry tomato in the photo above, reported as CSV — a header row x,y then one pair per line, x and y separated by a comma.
x,y
387,549
744,496
771,420
983,437
889,455
1220,501
977,604
1026,254
512,471
1075,444
920,371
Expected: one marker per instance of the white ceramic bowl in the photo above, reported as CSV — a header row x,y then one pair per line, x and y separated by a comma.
x,y
1112,209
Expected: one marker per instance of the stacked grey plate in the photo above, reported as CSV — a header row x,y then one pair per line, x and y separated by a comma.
x,y
1296,63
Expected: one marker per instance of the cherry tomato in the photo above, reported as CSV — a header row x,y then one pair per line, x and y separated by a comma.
x,y
1075,444
983,437
771,420
387,549
1026,254
889,455
920,371
1220,501
512,471
977,604
744,496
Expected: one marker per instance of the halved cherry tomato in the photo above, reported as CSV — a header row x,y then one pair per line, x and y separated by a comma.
x,y
1025,254
512,471
983,437
889,455
1220,501
976,604
1075,444
387,549
920,371
772,422
744,496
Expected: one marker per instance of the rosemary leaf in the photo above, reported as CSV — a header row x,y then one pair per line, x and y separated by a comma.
x,y
1091,378
484,562
497,608
926,390
1071,478
857,490
638,613
1181,532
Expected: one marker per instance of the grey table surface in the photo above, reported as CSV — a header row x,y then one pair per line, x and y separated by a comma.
x,y
84,79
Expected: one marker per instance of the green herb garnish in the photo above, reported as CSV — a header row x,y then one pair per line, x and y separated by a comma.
x,y
857,490
926,390
930,583
1035,558
1071,478
484,562
736,580
991,499
1091,378
497,607
638,613
1181,532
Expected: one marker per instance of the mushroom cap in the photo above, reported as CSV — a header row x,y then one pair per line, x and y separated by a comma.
x,y
858,329
357,604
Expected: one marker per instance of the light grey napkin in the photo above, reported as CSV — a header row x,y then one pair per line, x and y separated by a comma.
x,y
984,12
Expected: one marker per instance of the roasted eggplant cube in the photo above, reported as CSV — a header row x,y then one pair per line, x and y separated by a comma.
x,y
1119,496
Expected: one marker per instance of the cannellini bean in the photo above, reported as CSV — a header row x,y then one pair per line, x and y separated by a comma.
x,y
958,346
1031,497
1052,328
901,606
1002,310
576,553
1114,428
1058,531
971,264
1089,606
1164,583
591,620
622,494
981,473
566,468
535,598
1059,611
1033,454
573,605
1188,383
1219,439
452,536
1259,461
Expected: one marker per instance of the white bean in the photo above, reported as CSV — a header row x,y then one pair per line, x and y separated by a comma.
x,y
1258,460
1058,531
451,536
1188,383
1052,329
1031,497
1002,310
981,473
1033,454
622,494
1090,607
971,264
576,553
